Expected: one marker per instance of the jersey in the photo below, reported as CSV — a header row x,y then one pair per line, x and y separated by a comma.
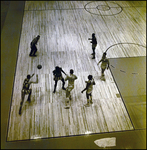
x,y
57,73
89,86
71,78
26,84
34,41
104,63
94,41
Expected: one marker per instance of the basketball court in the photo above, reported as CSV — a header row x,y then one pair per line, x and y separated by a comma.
x,y
119,102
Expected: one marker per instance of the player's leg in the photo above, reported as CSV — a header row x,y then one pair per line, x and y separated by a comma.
x,y
35,50
67,93
93,48
103,69
67,96
63,83
31,53
91,98
68,90
87,96
56,81
22,100
29,97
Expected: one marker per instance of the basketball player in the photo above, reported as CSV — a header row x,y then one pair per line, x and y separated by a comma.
x,y
70,78
104,63
26,90
89,89
94,44
33,46
58,76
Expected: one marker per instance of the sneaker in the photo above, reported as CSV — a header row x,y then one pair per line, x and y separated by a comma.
x,y
54,91
87,105
64,88
67,107
92,54
91,102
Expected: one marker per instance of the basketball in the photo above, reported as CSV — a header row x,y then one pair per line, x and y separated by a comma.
x,y
39,66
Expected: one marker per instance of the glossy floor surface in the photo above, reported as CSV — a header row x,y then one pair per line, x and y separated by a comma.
x,y
135,102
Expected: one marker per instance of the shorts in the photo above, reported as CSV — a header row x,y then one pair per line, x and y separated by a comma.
x,y
103,67
26,91
88,94
94,45
70,88
58,78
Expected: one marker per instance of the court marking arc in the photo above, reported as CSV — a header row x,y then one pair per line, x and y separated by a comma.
x,y
134,73
104,15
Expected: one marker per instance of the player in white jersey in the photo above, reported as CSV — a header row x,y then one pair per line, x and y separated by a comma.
x,y
70,78
104,63
89,89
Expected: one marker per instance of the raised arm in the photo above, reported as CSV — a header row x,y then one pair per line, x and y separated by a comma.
x,y
66,78
36,79
32,75
63,72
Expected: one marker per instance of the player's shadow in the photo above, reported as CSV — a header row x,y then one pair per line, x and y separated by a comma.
x,y
35,100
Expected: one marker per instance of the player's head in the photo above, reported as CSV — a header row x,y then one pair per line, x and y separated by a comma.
x,y
28,76
71,71
105,53
93,34
38,36
57,67
90,77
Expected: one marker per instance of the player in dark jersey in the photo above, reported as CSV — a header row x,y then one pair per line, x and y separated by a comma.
x,y
58,76
26,90
89,89
33,46
94,44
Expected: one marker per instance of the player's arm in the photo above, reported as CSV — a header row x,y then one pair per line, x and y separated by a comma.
x,y
32,75
99,62
54,74
108,64
93,82
85,88
76,77
63,72
90,39
36,80
66,78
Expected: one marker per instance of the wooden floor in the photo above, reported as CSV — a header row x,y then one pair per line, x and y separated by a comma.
x,y
64,28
